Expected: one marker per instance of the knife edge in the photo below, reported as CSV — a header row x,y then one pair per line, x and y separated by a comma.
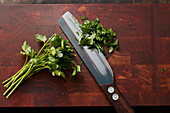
x,y
99,66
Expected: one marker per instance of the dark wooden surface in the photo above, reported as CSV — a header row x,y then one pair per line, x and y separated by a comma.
x,y
79,1
144,51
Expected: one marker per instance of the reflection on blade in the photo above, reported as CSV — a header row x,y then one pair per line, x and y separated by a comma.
x,y
95,61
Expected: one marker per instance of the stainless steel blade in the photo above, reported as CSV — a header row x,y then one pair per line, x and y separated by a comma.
x,y
95,61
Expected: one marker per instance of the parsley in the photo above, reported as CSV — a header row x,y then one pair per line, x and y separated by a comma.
x,y
82,18
55,55
95,36
77,33
164,69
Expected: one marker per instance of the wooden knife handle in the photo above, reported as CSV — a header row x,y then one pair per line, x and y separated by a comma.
x,y
116,98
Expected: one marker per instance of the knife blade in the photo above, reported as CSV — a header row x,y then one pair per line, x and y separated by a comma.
x,y
96,63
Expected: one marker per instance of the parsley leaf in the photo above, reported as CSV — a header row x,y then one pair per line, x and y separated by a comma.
x,y
27,50
82,18
40,38
164,69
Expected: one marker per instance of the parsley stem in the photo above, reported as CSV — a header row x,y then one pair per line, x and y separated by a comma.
x,y
20,72
24,78
54,35
9,79
12,76
26,60
34,72
43,56
20,81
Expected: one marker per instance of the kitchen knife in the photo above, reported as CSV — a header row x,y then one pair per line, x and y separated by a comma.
x,y
96,63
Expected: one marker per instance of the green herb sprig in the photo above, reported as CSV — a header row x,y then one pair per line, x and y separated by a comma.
x,y
95,36
55,55
164,69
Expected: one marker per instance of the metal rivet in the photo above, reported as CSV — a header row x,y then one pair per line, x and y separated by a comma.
x,y
110,89
115,96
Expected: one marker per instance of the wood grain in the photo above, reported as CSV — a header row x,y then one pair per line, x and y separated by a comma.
x,y
78,1
144,51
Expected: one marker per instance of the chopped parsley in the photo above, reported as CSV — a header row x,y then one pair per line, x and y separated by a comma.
x,y
95,36
164,69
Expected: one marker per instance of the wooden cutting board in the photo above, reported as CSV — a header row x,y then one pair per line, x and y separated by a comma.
x,y
144,51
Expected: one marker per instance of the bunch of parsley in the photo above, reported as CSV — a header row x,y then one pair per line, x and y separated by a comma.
x,y
95,36
55,55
